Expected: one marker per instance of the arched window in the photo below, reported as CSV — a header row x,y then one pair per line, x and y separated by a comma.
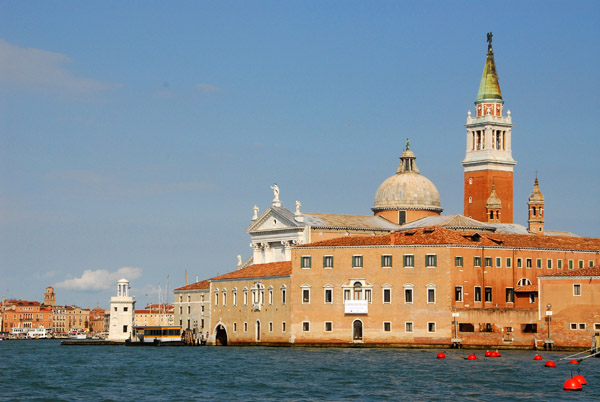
x,y
357,291
523,282
533,211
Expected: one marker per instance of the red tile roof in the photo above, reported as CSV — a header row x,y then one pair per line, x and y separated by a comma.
x,y
591,271
527,288
193,286
437,235
259,270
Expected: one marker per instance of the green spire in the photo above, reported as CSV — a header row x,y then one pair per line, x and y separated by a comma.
x,y
489,88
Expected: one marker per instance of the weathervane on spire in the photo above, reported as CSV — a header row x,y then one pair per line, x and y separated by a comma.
x,y
489,39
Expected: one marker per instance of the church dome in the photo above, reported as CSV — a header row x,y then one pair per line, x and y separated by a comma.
x,y
407,189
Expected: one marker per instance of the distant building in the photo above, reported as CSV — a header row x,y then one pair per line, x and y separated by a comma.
x,y
23,314
59,321
49,297
97,320
154,314
121,313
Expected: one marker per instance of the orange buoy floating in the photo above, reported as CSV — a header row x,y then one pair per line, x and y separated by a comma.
x,y
471,357
574,361
550,363
572,385
580,378
537,357
441,355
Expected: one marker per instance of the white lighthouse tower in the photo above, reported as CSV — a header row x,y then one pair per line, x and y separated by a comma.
x,y
121,313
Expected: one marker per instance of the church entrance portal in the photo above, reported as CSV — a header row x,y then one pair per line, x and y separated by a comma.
x,y
357,330
221,335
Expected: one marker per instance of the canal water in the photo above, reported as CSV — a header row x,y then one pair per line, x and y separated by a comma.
x,y
44,370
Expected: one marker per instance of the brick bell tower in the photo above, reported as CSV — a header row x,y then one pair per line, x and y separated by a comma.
x,y
488,162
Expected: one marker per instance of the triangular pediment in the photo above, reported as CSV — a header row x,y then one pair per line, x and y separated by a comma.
x,y
274,218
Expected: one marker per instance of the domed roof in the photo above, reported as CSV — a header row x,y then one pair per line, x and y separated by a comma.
x,y
407,189
536,196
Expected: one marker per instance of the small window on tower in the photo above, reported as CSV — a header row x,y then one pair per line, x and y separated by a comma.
x,y
470,180
470,200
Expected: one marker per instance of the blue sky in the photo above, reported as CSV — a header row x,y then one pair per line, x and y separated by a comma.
x,y
136,136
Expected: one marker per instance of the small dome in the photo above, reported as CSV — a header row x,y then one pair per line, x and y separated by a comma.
x,y
407,189
536,195
493,201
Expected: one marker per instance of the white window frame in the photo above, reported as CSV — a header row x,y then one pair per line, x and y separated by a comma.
x,y
325,326
326,289
577,289
406,258
386,288
389,323
411,287
549,263
305,262
431,290
384,263
357,259
429,323
328,261
498,262
462,294
508,262
283,294
430,260
412,326
305,326
305,288
234,293
282,326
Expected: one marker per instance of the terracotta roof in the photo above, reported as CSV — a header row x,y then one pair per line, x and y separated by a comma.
x,y
198,285
591,271
339,221
259,270
437,235
526,288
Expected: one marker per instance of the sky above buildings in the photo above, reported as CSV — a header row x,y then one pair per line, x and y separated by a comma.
x,y
137,136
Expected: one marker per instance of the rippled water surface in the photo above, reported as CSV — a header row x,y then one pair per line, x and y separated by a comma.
x,y
46,370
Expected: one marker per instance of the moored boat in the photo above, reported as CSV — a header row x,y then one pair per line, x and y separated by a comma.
x,y
155,335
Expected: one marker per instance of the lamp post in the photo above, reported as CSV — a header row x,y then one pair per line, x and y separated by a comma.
x,y
549,317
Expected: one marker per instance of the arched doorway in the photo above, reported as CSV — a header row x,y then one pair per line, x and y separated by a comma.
x,y
221,335
357,330
257,335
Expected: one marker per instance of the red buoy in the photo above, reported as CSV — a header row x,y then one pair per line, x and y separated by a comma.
x,y
550,363
574,361
537,357
497,354
580,378
572,385
441,355
471,357
488,354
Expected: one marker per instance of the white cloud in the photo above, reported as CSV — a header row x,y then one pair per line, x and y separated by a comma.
x,y
41,68
100,279
208,89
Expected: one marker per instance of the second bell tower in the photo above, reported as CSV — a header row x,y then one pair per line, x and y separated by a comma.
x,y
488,162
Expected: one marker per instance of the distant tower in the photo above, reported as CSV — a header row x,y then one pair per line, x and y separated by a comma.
x,y
121,313
536,210
50,297
488,159
493,206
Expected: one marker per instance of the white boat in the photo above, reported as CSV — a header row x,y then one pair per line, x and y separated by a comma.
x,y
77,334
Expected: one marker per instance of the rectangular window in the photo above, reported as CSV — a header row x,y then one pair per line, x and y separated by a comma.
x,y
234,327
430,295
125,308
498,262
538,263
590,263
124,328
510,295
305,261
357,261
573,325
305,296
549,263
559,264
387,326
477,293
580,264
488,261
283,296
431,327
216,298
346,294
508,262
283,326
386,261
189,309
458,261
476,261
408,261
529,328
597,326
570,264
224,298
528,263
431,260
488,294
328,296
466,327
245,327
235,298
368,295
270,296
408,295
305,326
519,263
328,261
582,325
387,295
577,289
408,326
328,326
458,293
